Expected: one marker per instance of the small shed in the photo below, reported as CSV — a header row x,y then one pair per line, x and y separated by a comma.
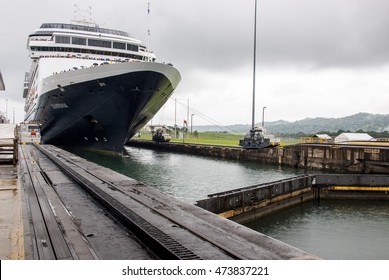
x,y
8,144
322,138
353,137
317,139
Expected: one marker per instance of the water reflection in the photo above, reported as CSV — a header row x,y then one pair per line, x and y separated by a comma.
x,y
334,229
187,177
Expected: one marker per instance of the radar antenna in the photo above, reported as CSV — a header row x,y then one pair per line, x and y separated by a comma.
x,y
83,16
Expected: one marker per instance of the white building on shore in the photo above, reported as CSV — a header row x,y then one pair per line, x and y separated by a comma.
x,y
353,137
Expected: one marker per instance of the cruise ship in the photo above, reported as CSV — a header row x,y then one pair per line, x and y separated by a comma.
x,y
93,87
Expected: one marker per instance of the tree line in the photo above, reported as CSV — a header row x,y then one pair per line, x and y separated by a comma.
x,y
374,134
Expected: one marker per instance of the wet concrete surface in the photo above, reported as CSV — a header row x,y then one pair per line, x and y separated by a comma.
x,y
11,223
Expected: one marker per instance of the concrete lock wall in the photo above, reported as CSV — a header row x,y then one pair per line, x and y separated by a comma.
x,y
245,204
362,159
343,158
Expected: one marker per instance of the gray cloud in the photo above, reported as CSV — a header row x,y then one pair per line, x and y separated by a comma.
x,y
325,33
202,37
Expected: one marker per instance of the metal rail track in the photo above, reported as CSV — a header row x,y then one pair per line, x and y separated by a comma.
x,y
48,242
161,244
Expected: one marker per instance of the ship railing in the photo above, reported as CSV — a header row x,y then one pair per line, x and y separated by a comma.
x,y
382,139
104,61
315,140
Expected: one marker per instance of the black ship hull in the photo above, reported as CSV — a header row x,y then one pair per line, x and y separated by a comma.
x,y
101,114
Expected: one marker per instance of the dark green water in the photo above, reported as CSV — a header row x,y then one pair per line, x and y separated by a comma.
x,y
333,229
330,230
186,177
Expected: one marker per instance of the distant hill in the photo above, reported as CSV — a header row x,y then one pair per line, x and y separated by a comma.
x,y
360,121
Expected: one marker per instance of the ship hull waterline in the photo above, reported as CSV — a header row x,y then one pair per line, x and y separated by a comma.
x,y
102,114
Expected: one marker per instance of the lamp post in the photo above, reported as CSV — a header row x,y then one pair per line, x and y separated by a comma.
x,y
191,124
263,117
6,110
254,65
250,141
175,117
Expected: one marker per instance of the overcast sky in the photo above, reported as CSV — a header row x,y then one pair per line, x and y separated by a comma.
x,y
315,58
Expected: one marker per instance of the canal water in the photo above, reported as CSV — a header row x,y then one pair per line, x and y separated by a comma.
x,y
331,230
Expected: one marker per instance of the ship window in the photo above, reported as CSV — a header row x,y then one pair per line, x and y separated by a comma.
x,y
47,33
99,43
62,39
131,47
117,45
84,28
78,41
75,50
35,127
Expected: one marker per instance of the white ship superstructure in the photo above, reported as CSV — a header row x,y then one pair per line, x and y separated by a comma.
x,y
80,71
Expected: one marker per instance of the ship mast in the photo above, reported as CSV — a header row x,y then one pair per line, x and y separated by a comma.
x,y
148,26
81,14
